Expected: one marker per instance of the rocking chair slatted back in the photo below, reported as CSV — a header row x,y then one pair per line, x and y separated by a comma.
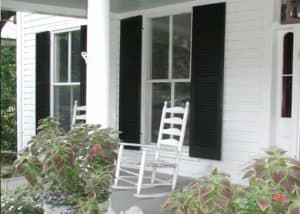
x,y
79,113
173,125
174,120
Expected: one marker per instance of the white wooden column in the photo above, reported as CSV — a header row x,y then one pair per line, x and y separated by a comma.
x,y
97,93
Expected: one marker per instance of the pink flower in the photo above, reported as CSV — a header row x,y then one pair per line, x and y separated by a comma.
x,y
96,149
279,197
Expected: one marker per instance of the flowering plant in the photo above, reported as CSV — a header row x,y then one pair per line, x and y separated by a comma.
x,y
20,200
70,168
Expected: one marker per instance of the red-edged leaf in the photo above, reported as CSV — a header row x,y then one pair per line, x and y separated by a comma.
x,y
294,162
275,151
263,203
222,202
204,199
294,210
296,173
208,208
250,166
248,174
226,182
289,185
259,169
227,193
204,190
278,176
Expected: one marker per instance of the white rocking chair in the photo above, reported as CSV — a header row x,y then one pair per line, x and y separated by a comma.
x,y
170,141
79,114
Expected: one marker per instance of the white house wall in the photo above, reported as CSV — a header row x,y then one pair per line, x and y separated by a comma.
x,y
246,84
29,25
246,115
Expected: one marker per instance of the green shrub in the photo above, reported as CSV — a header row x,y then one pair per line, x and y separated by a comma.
x,y
8,101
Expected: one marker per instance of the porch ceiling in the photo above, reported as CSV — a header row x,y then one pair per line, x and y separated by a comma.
x,y
120,6
77,8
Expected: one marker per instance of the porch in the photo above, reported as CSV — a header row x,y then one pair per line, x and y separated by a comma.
x,y
244,116
121,200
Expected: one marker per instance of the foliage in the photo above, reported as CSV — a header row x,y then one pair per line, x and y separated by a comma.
x,y
260,198
209,194
8,171
274,183
20,200
8,99
70,168
283,172
274,187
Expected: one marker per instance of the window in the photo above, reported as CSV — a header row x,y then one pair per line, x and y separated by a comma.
x,y
170,55
287,75
65,75
290,11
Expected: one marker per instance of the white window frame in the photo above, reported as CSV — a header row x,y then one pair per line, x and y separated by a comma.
x,y
53,63
146,110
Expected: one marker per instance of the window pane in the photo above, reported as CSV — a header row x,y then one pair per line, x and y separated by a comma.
x,y
288,46
286,104
182,95
160,92
75,56
64,97
181,45
61,57
160,48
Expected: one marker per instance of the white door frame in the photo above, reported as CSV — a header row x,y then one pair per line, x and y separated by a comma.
x,y
297,80
293,147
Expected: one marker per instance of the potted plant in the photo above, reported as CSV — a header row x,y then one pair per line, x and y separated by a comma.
x,y
72,169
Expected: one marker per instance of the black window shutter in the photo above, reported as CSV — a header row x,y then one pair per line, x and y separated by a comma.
x,y
42,75
130,79
207,80
83,44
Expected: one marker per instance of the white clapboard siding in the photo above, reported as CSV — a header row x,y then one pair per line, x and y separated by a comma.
x,y
243,80
30,25
243,88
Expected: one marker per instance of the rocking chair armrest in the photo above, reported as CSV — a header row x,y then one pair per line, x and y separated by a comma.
x,y
138,145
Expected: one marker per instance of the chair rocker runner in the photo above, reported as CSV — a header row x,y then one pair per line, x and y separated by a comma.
x,y
79,114
170,140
